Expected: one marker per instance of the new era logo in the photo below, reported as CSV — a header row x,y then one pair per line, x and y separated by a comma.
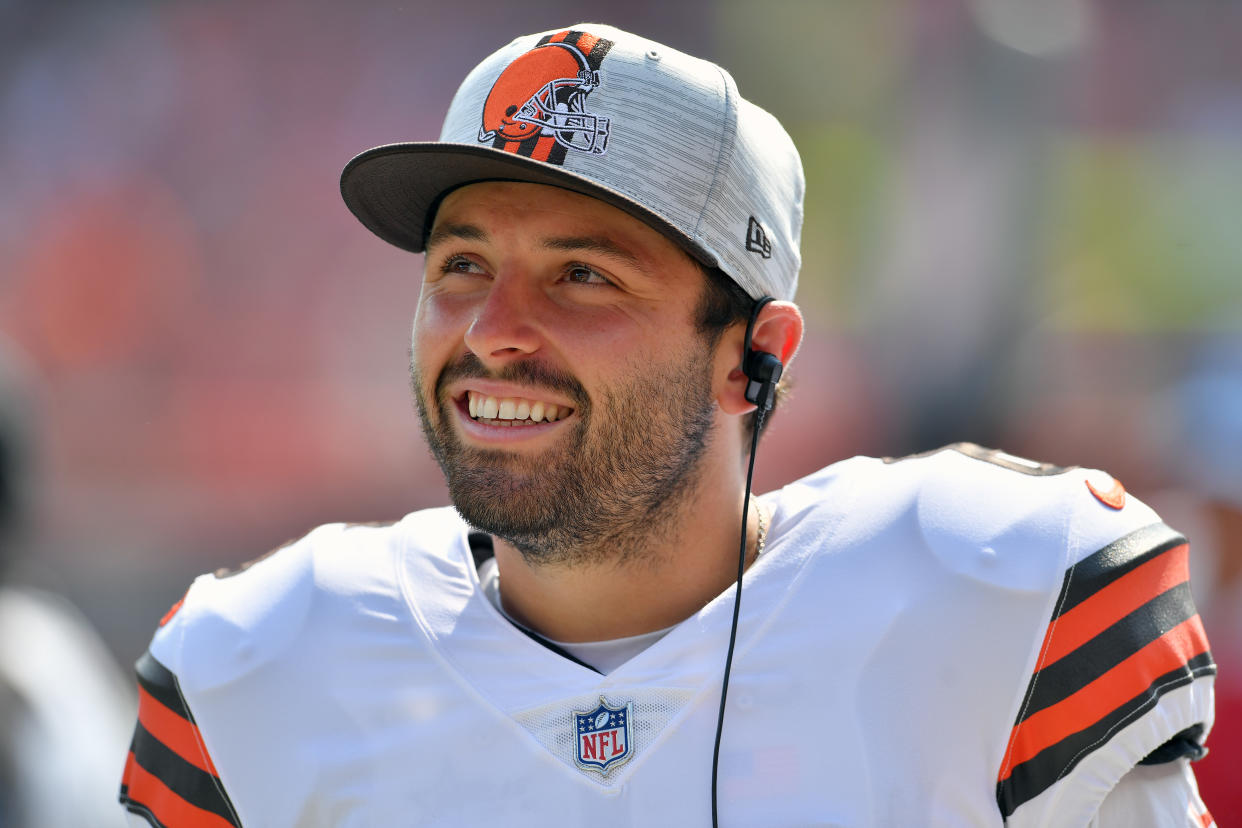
x,y
757,240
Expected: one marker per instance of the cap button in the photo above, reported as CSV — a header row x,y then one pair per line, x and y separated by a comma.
x,y
652,54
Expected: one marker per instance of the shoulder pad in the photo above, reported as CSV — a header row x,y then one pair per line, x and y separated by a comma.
x,y
1013,522
228,624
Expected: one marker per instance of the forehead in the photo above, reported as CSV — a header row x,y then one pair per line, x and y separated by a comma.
x,y
538,210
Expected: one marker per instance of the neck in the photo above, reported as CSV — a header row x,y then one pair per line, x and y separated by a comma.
x,y
652,582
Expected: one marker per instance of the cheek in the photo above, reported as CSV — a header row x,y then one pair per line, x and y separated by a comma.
x,y
440,318
433,340
605,326
607,348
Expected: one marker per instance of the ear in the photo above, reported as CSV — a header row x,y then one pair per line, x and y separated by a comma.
x,y
778,331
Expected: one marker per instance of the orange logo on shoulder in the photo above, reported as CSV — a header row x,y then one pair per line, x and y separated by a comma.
x,y
1111,493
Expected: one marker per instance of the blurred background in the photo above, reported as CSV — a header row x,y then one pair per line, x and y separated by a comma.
x,y
1022,229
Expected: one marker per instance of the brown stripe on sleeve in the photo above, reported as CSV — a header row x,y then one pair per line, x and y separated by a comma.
x,y
1125,632
169,777
1126,681
144,793
177,733
1114,601
1030,778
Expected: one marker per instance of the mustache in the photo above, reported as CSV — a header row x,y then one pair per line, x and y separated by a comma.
x,y
535,374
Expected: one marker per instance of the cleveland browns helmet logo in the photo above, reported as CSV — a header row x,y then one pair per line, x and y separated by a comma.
x,y
538,105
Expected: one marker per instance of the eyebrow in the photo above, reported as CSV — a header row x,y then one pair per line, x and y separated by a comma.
x,y
444,232
593,244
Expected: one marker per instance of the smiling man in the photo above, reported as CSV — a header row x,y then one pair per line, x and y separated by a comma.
x,y
610,236
580,409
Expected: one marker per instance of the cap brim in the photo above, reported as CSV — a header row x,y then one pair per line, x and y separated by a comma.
x,y
395,189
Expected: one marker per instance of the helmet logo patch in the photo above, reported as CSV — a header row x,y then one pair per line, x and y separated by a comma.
x,y
538,105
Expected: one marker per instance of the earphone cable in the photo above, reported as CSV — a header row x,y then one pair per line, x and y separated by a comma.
x,y
737,607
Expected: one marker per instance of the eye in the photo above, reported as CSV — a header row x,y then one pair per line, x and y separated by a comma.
x,y
460,264
583,275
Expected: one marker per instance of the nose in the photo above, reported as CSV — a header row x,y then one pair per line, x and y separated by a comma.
x,y
505,324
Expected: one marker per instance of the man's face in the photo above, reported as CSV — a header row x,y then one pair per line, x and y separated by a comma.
x,y
561,382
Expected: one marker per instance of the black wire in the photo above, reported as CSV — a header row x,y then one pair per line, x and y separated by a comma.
x,y
737,603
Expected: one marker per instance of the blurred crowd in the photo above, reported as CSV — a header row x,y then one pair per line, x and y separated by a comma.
x,y
1021,230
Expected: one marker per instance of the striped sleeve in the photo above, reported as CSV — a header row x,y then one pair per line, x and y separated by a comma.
x,y
1124,635
169,777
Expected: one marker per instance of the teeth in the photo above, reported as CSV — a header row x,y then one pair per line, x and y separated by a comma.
x,y
507,411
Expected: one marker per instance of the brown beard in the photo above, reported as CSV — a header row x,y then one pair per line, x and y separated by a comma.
x,y
626,466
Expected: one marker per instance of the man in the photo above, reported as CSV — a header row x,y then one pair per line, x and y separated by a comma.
x,y
961,638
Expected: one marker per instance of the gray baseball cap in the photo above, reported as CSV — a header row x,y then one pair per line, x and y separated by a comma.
x,y
646,128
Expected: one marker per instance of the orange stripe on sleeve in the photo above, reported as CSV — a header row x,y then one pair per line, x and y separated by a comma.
x,y
148,791
1112,603
559,36
511,146
1108,692
176,733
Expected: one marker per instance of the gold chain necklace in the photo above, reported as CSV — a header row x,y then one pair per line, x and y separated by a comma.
x,y
763,527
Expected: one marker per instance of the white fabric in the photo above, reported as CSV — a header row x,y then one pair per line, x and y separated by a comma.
x,y
607,656
1154,796
361,676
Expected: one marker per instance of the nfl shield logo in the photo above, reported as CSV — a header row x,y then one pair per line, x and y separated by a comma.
x,y
602,736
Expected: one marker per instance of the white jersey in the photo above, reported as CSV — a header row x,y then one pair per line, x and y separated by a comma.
x,y
959,638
